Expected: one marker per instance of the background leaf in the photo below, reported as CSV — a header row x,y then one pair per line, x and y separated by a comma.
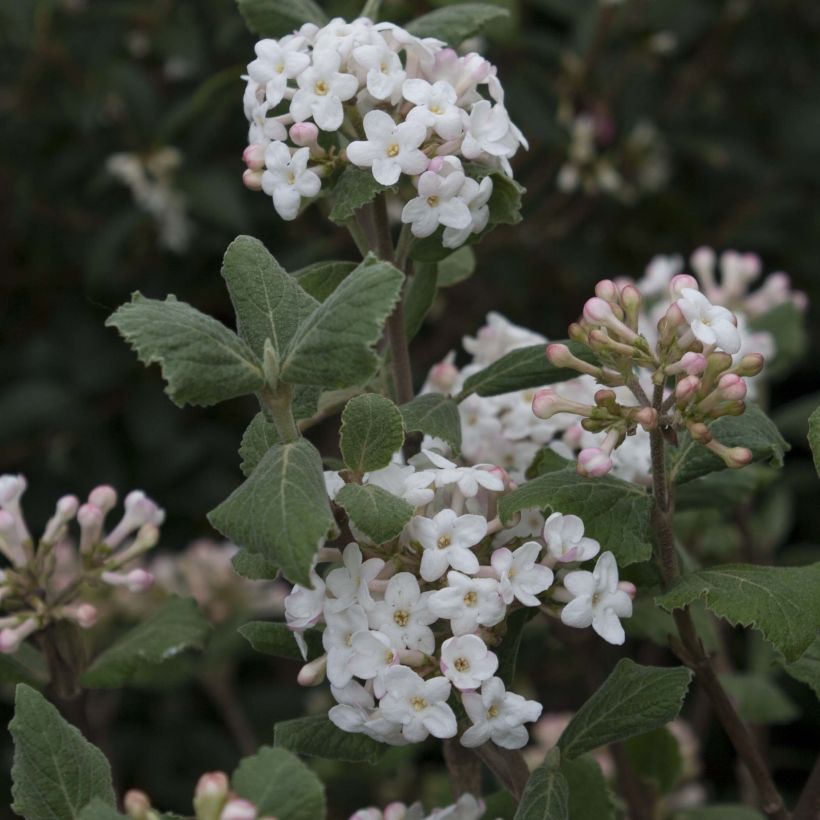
x,y
434,415
273,18
276,639
456,22
546,796
318,737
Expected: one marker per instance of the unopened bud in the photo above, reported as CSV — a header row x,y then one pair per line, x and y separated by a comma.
x,y
238,809
680,282
137,580
700,432
631,302
691,363
629,588
254,157
733,457
561,356
252,180
304,134
84,615
597,311
703,262
443,376
210,795
90,518
577,333
647,417
67,508
750,365
606,398
103,497
607,290
313,673
137,804
732,387
594,462
12,636
686,389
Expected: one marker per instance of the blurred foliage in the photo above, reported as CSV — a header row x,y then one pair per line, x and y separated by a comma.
x,y
732,91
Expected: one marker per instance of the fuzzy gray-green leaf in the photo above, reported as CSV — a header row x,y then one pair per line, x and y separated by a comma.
x,y
434,415
318,737
372,430
380,515
455,23
546,796
273,18
276,639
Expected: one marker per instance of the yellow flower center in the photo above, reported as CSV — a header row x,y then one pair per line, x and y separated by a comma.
x,y
461,664
471,598
393,150
321,88
443,542
291,178
418,703
436,109
349,639
492,711
401,617
280,68
595,598
388,656
432,201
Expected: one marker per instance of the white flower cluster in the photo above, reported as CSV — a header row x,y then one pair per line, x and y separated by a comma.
x,y
418,618
387,101
46,578
467,807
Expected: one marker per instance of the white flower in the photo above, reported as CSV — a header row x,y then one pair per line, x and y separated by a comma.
x,y
597,601
519,576
287,178
498,715
466,661
435,107
420,706
486,129
405,482
565,539
476,195
385,74
342,37
262,129
303,607
389,149
468,603
710,324
322,90
467,479
349,585
355,713
404,615
337,640
446,539
438,202
276,62
373,654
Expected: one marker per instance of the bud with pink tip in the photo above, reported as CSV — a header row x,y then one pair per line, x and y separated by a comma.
x,y
139,510
304,134
443,376
254,157
561,356
238,809
12,636
84,615
731,387
703,262
607,290
631,301
11,544
647,417
681,282
103,497
733,457
700,432
686,389
593,462
629,588
210,795
601,342
691,363
90,518
67,508
137,805
546,403
313,673
252,180
137,580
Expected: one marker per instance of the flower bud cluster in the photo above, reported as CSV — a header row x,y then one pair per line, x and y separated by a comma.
x,y
373,95
467,807
213,800
47,578
407,622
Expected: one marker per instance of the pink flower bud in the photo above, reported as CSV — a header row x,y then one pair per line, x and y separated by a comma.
x,y
443,376
700,432
304,134
680,282
574,436
674,316
252,180
703,261
103,497
686,389
238,809
137,580
12,636
394,811
84,615
732,387
212,784
629,588
597,311
693,363
647,417
607,290
137,804
544,403
733,457
436,164
254,156
12,488
559,355
594,462
313,673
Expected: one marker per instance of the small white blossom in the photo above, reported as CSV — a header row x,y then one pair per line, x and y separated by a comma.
x,y
446,539
498,715
337,640
390,149
385,74
475,195
597,601
373,654
565,539
322,90
278,61
404,615
468,603
438,202
435,107
485,131
303,606
467,479
349,584
466,661
710,324
288,179
519,574
420,706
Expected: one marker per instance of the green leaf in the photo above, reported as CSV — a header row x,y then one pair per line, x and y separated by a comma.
x,y
253,566
634,699
281,510
276,639
457,267
26,665
257,439
615,512
177,627
316,736
546,461
421,293
269,303
511,643
589,797
56,771
457,22
99,810
372,430
546,796
322,278
273,18
806,668
724,490
780,602
434,415
354,188
522,369
759,699
656,757
754,429
280,785
380,515
814,437
202,361
332,347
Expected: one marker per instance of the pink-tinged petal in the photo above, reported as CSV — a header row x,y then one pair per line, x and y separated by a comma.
x,y
580,583
578,612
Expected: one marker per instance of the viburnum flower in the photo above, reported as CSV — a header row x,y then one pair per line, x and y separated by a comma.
x,y
466,661
467,479
418,705
278,61
711,324
439,201
404,615
390,148
322,90
446,539
373,654
597,600
385,73
435,107
337,640
498,715
565,539
468,603
303,606
287,178
476,196
519,574
485,131
350,583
